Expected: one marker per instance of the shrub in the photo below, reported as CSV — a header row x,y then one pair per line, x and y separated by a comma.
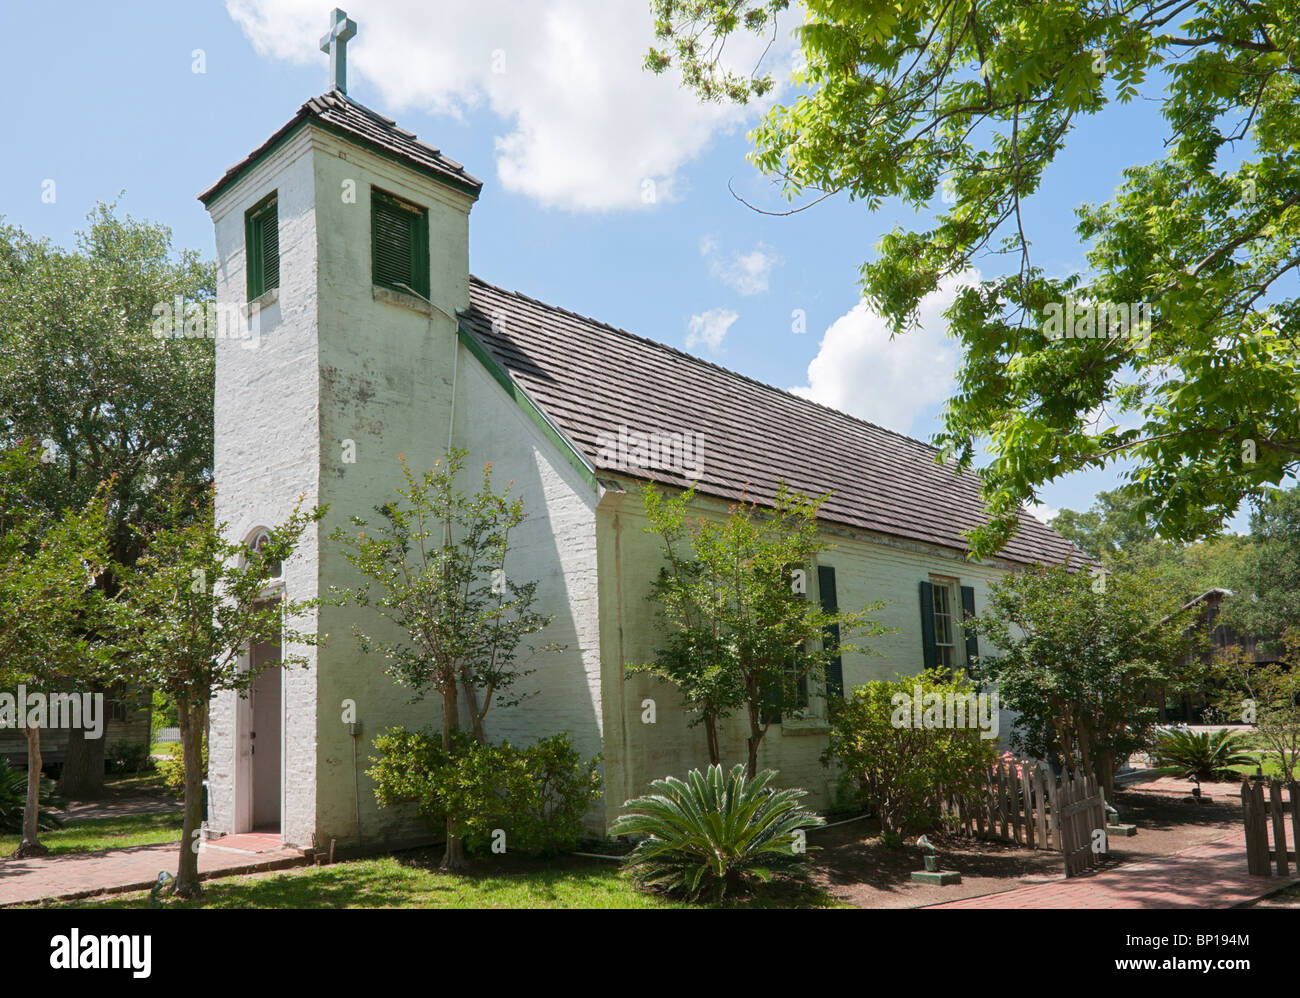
x,y
537,795
903,772
172,768
714,832
1205,755
129,758
13,796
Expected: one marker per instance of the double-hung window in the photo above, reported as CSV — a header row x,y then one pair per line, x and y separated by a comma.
x,y
945,623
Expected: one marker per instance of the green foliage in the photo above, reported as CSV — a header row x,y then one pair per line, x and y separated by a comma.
x,y
743,633
172,768
188,610
434,565
1116,522
1266,586
13,798
900,770
1267,695
164,712
129,758
537,795
981,96
1079,657
1117,532
1206,755
715,832
49,564
82,370
50,600
194,602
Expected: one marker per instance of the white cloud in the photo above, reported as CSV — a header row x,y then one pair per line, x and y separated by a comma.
x,y
1044,514
859,370
588,128
745,273
709,328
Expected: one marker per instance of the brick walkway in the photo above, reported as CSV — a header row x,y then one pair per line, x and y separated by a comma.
x,y
76,875
1174,786
1211,875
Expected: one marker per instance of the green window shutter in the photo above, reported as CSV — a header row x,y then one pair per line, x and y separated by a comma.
x,y
972,639
262,246
927,626
831,635
270,249
399,244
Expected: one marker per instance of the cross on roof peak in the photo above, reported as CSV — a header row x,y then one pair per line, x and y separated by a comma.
x,y
335,41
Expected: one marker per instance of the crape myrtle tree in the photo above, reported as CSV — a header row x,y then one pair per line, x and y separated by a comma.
x,y
1265,695
1079,655
980,97
188,610
48,603
83,371
434,565
742,635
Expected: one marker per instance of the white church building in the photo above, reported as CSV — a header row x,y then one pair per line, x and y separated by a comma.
x,y
345,240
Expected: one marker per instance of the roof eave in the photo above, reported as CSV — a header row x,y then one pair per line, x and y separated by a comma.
x,y
305,116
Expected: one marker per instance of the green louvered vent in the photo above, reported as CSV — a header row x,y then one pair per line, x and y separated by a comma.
x,y
400,239
262,242
271,249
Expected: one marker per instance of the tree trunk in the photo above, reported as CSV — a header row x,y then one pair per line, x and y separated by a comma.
x,y
755,734
453,857
30,844
751,763
475,715
83,766
711,735
192,724
1106,773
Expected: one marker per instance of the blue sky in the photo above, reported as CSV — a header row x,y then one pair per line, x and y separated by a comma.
x,y
547,104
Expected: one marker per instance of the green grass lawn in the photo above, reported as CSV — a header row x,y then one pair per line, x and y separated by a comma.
x,y
393,882
105,833
1269,761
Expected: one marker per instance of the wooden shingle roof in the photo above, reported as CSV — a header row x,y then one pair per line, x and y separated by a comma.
x,y
337,112
591,379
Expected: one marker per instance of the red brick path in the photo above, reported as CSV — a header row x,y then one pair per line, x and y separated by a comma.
x,y
1210,875
82,874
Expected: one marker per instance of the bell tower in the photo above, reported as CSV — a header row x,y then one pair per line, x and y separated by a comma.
x,y
343,254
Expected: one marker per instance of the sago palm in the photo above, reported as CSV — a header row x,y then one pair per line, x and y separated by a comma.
x,y
13,797
714,832
1204,754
